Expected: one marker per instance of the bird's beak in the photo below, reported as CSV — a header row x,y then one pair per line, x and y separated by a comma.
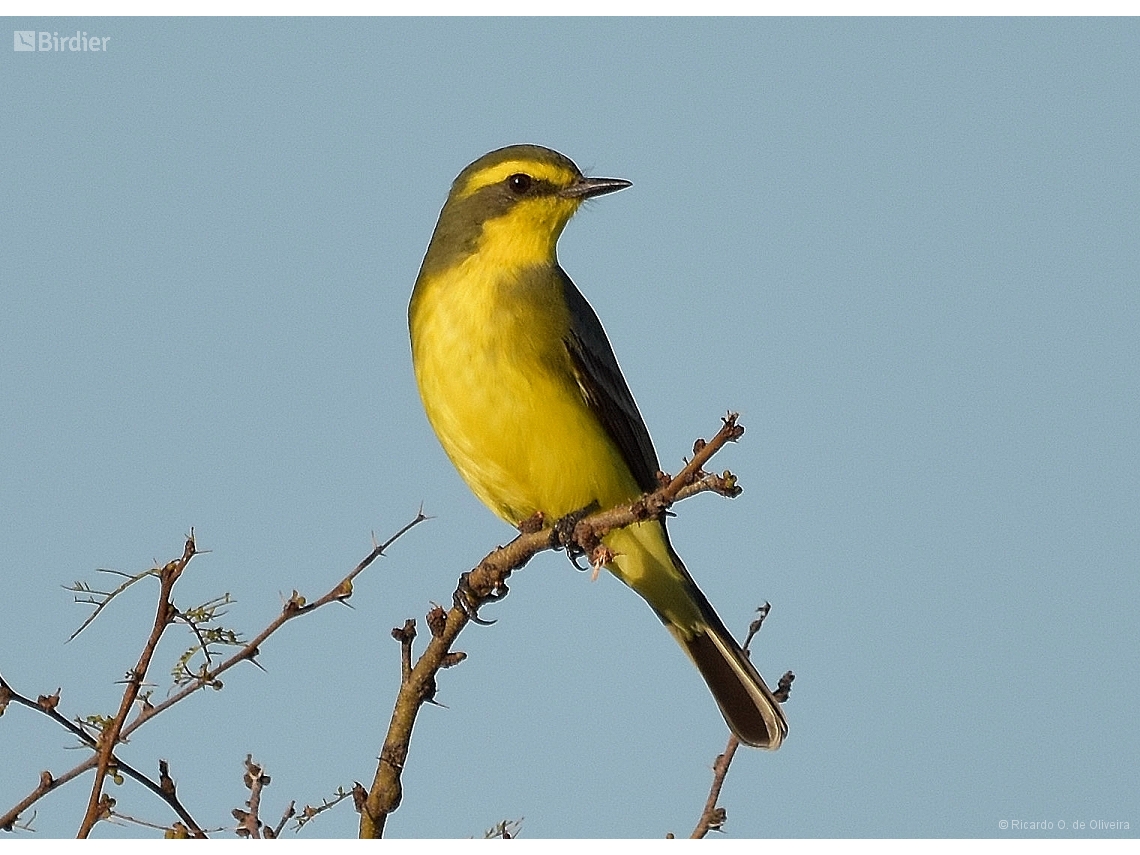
x,y
585,188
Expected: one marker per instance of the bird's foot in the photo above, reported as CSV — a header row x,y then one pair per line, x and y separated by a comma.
x,y
468,601
564,532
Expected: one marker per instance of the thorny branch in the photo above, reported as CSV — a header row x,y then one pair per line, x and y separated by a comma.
x,y
101,599
249,822
118,730
309,813
47,704
487,583
99,805
506,829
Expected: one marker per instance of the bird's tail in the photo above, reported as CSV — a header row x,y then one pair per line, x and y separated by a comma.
x,y
745,701
647,563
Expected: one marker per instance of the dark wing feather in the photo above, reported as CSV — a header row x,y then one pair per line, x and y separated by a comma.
x,y
604,388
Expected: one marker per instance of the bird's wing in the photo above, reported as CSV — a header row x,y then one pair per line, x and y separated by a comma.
x,y
604,388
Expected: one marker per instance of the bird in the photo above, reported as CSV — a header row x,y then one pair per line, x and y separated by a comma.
x,y
522,388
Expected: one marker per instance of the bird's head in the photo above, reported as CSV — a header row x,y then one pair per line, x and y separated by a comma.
x,y
511,205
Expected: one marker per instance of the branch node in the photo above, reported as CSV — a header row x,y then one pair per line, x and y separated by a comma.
x,y
734,430
452,659
436,621
532,523
405,634
48,703
165,782
294,604
359,796
757,622
784,687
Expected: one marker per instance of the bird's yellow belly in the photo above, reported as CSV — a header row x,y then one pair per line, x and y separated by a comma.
x,y
510,415
522,440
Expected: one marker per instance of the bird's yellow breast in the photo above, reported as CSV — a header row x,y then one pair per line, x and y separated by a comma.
x,y
500,391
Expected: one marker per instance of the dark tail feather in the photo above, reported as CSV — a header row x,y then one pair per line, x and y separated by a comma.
x,y
746,703
749,707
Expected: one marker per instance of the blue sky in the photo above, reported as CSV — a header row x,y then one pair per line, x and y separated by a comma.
x,y
905,250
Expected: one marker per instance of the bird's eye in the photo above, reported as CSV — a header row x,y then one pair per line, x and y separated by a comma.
x,y
519,182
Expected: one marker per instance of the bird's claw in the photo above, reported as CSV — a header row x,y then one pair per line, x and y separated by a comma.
x,y
468,602
564,532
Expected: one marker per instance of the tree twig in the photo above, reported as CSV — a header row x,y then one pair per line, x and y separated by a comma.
x,y
294,607
106,596
713,816
309,813
249,822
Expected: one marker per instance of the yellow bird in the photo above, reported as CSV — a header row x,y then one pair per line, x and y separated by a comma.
x,y
522,388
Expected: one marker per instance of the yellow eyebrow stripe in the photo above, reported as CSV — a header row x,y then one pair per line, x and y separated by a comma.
x,y
501,171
